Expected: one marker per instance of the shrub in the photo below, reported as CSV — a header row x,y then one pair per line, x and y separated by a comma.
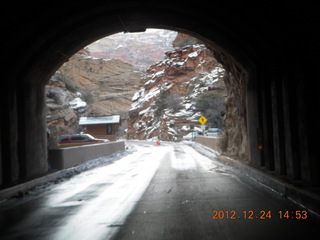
x,y
67,81
86,96
160,103
173,101
212,106
133,113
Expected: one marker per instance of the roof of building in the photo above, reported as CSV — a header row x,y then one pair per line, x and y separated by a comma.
x,y
99,120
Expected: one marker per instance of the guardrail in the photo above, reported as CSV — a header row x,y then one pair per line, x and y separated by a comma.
x,y
62,158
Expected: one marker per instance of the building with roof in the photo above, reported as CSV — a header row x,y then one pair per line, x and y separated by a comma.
x,y
104,127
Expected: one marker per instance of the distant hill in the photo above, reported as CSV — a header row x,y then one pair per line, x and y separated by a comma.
x,y
106,85
139,49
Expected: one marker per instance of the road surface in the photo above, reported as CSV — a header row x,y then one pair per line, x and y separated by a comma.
x,y
156,192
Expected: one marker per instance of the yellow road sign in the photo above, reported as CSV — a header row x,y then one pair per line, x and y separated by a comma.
x,y
202,120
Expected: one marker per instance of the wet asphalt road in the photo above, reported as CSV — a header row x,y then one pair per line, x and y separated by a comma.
x,y
158,192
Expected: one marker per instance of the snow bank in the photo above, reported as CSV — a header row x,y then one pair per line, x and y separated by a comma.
x,y
78,103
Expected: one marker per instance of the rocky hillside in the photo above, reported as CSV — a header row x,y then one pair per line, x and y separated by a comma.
x,y
106,85
64,109
139,49
164,106
88,86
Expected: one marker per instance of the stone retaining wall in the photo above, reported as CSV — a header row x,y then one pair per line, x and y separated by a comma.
x,y
62,158
208,142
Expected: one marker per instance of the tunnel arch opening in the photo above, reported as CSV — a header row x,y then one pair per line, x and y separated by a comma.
x,y
249,56
235,135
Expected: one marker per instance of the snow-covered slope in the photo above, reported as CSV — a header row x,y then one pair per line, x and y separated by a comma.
x,y
139,49
164,106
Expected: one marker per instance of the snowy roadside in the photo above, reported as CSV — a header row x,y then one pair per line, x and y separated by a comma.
x,y
51,180
98,162
48,183
208,152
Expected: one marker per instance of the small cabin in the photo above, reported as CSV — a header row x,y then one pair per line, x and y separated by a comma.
x,y
104,127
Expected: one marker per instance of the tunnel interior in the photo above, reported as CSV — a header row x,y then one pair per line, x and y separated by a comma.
x,y
266,48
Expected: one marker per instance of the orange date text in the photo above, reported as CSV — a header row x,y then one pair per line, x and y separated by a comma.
x,y
261,215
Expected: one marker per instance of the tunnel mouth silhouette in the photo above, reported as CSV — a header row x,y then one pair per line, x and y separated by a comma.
x,y
277,114
53,50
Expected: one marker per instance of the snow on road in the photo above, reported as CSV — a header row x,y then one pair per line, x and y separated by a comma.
x,y
187,158
96,202
147,191
123,184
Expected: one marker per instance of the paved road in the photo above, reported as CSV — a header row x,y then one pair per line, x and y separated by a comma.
x,y
158,192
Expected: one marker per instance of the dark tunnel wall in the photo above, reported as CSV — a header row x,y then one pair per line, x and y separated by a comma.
x,y
273,43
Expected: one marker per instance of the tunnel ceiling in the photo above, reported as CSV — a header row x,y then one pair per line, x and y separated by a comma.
x,y
45,35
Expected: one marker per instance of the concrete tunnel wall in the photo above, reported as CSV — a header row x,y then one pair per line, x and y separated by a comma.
x,y
274,44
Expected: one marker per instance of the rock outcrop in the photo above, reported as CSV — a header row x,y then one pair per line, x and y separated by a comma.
x,y
183,39
107,85
64,109
185,74
236,136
